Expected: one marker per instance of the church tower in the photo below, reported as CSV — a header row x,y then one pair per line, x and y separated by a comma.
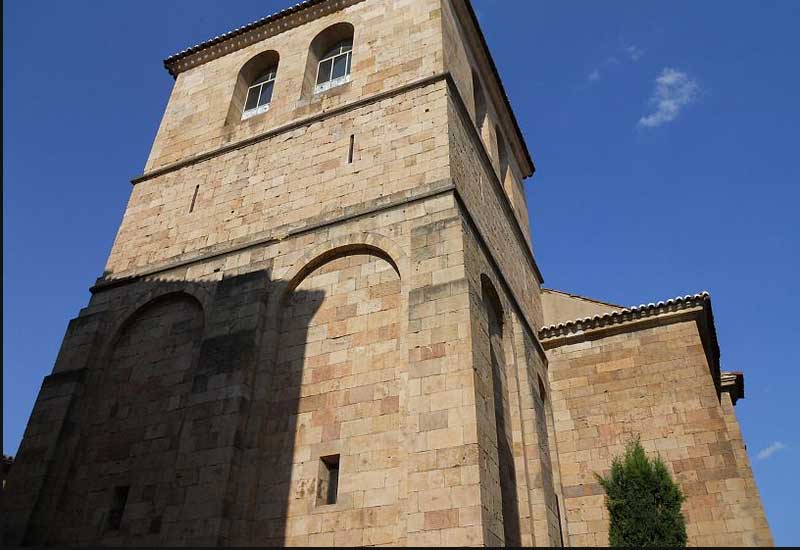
x,y
317,323
322,323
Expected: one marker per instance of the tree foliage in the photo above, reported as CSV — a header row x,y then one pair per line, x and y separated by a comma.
x,y
643,501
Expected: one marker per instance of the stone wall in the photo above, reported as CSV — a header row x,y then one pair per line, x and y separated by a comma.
x,y
464,63
395,42
297,178
513,391
654,380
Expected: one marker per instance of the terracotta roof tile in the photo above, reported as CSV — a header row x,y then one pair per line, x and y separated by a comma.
x,y
625,314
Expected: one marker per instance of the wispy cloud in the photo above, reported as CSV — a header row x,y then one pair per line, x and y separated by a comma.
x,y
635,52
674,90
770,450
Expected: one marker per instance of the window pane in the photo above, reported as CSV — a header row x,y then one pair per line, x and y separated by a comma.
x,y
349,61
324,74
346,45
252,98
339,66
268,75
266,93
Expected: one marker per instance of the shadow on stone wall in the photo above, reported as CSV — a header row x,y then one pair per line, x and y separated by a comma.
x,y
165,421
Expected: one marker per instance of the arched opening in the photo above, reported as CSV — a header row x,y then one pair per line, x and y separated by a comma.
x,y
330,58
502,156
255,85
480,103
502,416
542,391
138,408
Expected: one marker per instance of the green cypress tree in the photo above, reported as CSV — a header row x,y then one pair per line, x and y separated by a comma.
x,y
643,501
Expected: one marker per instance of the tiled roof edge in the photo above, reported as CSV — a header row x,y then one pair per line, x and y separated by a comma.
x,y
169,61
626,314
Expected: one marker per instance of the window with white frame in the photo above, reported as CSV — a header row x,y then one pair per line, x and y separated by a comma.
x,y
259,95
334,67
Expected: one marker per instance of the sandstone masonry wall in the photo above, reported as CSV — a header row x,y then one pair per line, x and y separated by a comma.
x,y
655,382
395,42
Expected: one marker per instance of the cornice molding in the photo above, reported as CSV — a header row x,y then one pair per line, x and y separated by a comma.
x,y
253,32
625,316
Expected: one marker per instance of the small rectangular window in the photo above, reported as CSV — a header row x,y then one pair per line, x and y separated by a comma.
x,y
324,74
340,66
118,501
252,98
266,93
328,485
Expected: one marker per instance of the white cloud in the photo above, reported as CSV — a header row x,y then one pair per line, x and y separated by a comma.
x,y
635,52
674,90
770,450
594,75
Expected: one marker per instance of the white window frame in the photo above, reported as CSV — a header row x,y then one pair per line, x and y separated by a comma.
x,y
333,56
258,109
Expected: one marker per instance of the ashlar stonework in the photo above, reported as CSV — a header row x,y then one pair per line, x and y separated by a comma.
x,y
322,323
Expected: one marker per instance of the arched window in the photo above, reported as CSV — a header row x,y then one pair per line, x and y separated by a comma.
x,y
480,103
542,392
254,87
330,58
502,414
502,155
334,67
259,94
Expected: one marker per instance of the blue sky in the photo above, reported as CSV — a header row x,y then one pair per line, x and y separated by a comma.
x,y
664,134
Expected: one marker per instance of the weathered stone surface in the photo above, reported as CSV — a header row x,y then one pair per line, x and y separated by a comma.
x,y
344,286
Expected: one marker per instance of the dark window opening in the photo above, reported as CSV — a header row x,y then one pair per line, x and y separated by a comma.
x,y
119,499
542,393
328,490
350,152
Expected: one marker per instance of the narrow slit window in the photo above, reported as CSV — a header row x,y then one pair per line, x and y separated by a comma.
x,y
119,499
350,150
194,198
328,487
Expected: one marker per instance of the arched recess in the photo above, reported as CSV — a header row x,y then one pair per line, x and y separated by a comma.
x,y
502,157
287,279
335,390
322,44
502,414
258,67
136,415
480,107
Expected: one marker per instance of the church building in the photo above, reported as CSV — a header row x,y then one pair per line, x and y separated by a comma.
x,y
322,322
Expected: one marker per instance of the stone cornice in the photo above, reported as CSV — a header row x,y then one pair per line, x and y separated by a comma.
x,y
251,33
695,307
625,316
733,384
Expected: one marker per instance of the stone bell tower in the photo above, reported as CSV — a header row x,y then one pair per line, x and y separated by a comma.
x,y
317,323
321,322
